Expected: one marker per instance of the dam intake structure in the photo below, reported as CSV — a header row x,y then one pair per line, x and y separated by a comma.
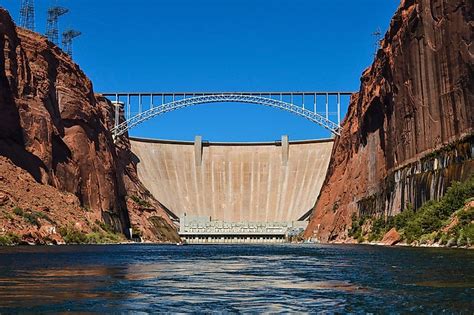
x,y
204,229
234,192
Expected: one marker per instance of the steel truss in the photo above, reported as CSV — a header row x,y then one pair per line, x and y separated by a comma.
x,y
312,116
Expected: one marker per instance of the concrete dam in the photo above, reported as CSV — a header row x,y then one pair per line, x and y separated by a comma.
x,y
234,182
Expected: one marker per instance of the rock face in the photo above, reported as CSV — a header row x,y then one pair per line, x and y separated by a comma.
x,y
408,132
391,238
57,130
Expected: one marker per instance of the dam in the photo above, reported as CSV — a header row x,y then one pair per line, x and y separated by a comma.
x,y
232,191
243,189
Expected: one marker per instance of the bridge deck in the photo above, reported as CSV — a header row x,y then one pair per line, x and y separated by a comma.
x,y
164,102
106,94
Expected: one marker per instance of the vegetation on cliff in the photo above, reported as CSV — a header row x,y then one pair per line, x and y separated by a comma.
x,y
101,234
449,221
9,239
414,100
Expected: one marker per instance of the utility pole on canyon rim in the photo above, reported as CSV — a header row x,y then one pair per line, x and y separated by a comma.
x,y
52,31
378,36
68,36
27,14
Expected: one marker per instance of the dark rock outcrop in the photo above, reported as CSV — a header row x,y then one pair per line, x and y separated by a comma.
x,y
408,132
56,129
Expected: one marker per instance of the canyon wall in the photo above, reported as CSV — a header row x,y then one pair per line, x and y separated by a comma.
x,y
408,132
55,130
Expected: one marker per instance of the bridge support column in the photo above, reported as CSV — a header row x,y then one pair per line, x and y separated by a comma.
x,y
338,109
198,150
285,150
117,107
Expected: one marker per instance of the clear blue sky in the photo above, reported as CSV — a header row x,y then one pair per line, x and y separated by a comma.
x,y
223,45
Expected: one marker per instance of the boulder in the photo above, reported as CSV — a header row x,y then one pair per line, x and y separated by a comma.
x,y
391,238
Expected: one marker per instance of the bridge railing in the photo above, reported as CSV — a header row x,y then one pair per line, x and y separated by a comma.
x,y
325,105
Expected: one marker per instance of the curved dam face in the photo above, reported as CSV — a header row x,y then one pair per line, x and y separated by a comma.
x,y
234,182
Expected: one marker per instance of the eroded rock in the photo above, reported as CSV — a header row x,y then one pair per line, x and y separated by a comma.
x,y
409,130
391,238
56,131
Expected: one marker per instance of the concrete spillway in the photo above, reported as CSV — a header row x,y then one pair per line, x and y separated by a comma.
x,y
272,182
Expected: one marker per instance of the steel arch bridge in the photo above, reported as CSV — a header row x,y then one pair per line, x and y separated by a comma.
x,y
280,100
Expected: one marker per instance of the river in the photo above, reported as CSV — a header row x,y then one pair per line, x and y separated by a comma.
x,y
236,278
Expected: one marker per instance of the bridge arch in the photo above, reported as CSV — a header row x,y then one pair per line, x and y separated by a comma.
x,y
137,119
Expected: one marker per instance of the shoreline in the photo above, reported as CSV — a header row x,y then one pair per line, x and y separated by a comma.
x,y
436,245
217,244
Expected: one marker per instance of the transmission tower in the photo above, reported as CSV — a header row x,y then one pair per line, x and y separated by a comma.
x,y
52,31
27,14
378,36
68,36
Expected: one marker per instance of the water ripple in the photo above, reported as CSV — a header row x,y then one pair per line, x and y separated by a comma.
x,y
254,279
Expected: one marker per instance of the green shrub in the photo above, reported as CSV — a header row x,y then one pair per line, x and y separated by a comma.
x,y
401,220
74,236
32,217
426,238
7,215
462,240
9,239
379,228
4,241
443,239
104,226
139,201
411,232
428,218
433,215
466,216
425,223
451,242
356,227
468,232
18,211
456,196
103,238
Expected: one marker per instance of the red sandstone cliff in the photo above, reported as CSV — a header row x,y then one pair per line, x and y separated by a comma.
x,y
408,132
56,132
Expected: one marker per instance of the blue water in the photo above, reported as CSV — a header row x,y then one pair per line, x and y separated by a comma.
x,y
236,278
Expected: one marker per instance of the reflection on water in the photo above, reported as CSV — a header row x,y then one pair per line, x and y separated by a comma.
x,y
234,278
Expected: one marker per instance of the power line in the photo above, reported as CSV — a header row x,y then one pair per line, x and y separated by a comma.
x,y
378,36
68,36
52,31
27,14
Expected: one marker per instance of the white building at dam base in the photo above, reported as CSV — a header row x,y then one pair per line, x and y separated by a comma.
x,y
202,229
